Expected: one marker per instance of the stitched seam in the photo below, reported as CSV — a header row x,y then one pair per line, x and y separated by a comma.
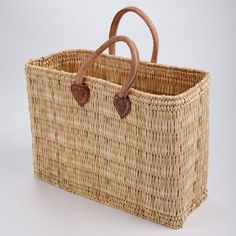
x,y
126,109
85,93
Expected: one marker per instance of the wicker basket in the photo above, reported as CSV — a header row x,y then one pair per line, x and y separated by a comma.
x,y
151,161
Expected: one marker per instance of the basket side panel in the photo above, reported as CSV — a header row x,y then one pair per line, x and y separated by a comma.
x,y
192,130
143,164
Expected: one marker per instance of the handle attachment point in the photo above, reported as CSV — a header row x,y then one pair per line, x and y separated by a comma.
x,y
122,105
80,92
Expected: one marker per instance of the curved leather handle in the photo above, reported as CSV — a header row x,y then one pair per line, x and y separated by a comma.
x,y
115,24
122,103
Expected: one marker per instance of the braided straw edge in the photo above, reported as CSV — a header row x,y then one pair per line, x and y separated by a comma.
x,y
32,66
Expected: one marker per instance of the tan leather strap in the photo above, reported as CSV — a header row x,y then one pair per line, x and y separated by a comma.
x,y
115,24
122,103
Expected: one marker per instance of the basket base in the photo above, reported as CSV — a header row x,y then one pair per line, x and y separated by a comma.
x,y
112,201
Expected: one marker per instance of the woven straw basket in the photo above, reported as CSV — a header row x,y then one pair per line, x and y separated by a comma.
x,y
142,149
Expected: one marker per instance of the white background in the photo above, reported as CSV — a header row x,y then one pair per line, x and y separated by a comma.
x,y
197,34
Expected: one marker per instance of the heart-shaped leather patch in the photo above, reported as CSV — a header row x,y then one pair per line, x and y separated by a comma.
x,y
122,105
81,93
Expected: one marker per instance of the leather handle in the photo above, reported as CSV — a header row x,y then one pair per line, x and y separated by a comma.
x,y
115,24
122,103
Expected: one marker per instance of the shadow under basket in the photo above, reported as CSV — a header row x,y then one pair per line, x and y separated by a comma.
x,y
153,163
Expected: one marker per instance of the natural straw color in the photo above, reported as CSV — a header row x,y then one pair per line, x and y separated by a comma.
x,y
152,163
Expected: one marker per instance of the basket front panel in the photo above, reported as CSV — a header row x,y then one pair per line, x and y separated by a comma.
x,y
150,162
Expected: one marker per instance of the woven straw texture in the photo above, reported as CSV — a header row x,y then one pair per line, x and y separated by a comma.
x,y
153,163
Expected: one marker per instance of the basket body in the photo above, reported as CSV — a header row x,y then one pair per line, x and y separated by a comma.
x,y
152,164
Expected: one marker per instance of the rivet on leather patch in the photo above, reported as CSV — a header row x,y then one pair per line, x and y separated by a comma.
x,y
81,93
122,105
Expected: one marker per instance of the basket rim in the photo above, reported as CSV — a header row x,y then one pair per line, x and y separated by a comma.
x,y
169,100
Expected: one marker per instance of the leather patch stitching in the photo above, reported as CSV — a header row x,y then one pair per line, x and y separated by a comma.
x,y
85,94
119,107
77,90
